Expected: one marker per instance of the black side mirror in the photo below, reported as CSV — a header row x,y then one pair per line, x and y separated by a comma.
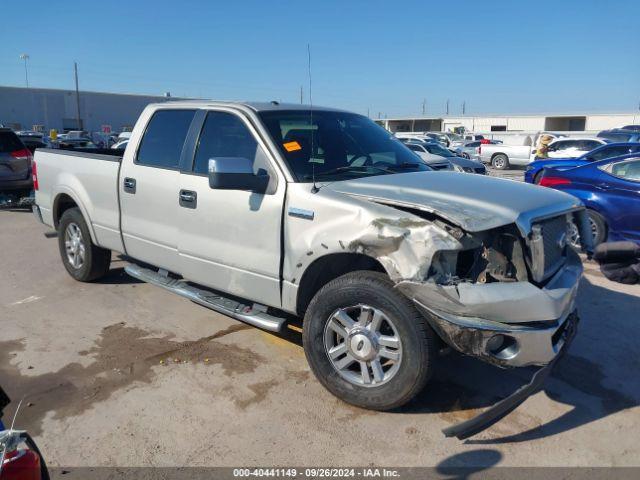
x,y
236,173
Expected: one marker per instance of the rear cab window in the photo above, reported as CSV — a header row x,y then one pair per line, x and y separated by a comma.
x,y
164,138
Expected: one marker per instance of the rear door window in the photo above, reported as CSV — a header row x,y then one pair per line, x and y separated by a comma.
x,y
164,138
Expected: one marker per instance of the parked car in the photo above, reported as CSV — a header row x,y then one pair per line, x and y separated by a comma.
x,y
120,145
533,172
472,137
33,140
73,143
573,147
437,162
634,128
450,139
20,457
503,156
15,164
266,212
470,150
610,189
78,134
620,135
440,158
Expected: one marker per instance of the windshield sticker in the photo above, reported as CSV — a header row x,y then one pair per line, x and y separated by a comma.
x,y
291,146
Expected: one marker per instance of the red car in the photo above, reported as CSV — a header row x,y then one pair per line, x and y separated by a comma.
x,y
20,458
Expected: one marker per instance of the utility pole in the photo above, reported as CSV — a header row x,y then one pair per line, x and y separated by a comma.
x,y
464,107
25,57
368,116
79,120
301,95
447,107
379,114
424,106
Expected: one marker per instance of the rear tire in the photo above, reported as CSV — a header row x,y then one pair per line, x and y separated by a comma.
x,y
84,260
537,178
383,334
598,227
500,162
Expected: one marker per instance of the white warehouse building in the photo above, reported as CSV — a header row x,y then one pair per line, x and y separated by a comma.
x,y
587,123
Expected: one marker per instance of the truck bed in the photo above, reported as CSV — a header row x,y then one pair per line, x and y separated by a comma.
x,y
91,180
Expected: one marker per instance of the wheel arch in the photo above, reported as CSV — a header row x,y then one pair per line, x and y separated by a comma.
x,y
327,268
65,199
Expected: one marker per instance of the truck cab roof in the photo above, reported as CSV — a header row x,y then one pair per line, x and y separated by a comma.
x,y
255,106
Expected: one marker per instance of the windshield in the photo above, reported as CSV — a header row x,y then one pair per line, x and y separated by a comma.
x,y
436,149
345,145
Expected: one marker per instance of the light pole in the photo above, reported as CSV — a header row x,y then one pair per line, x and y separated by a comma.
x,y
25,57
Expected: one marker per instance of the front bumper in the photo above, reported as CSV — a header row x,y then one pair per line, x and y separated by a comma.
x,y
530,319
501,409
517,345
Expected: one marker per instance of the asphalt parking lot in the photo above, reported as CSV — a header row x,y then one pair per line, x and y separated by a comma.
x,y
123,373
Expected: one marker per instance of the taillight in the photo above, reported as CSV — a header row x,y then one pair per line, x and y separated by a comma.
x,y
479,149
21,465
554,181
34,175
22,154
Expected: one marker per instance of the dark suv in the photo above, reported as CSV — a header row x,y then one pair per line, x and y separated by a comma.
x,y
15,164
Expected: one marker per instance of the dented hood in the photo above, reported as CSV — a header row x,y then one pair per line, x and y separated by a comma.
x,y
473,202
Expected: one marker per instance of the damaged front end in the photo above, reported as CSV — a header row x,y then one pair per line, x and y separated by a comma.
x,y
503,297
507,299
495,280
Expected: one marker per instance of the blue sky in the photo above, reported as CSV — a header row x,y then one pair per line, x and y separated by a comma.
x,y
381,56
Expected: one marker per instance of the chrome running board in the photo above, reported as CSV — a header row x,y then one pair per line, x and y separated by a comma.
x,y
251,314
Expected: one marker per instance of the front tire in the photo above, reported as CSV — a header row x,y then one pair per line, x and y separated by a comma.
x,y
84,260
500,162
366,343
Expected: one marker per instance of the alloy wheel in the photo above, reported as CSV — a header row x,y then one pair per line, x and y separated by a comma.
x,y
363,345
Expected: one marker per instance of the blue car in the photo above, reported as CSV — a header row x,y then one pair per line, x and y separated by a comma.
x,y
533,172
610,189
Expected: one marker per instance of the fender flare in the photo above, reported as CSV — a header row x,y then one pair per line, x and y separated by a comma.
x,y
65,190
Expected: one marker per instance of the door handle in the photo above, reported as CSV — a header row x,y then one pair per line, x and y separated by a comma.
x,y
188,199
129,185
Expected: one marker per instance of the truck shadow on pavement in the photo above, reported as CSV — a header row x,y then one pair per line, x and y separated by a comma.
x,y
592,378
464,464
117,276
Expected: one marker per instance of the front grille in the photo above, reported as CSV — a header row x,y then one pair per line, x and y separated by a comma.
x,y
548,247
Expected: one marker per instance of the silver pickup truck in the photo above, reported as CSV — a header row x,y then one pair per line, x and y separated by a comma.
x,y
267,212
